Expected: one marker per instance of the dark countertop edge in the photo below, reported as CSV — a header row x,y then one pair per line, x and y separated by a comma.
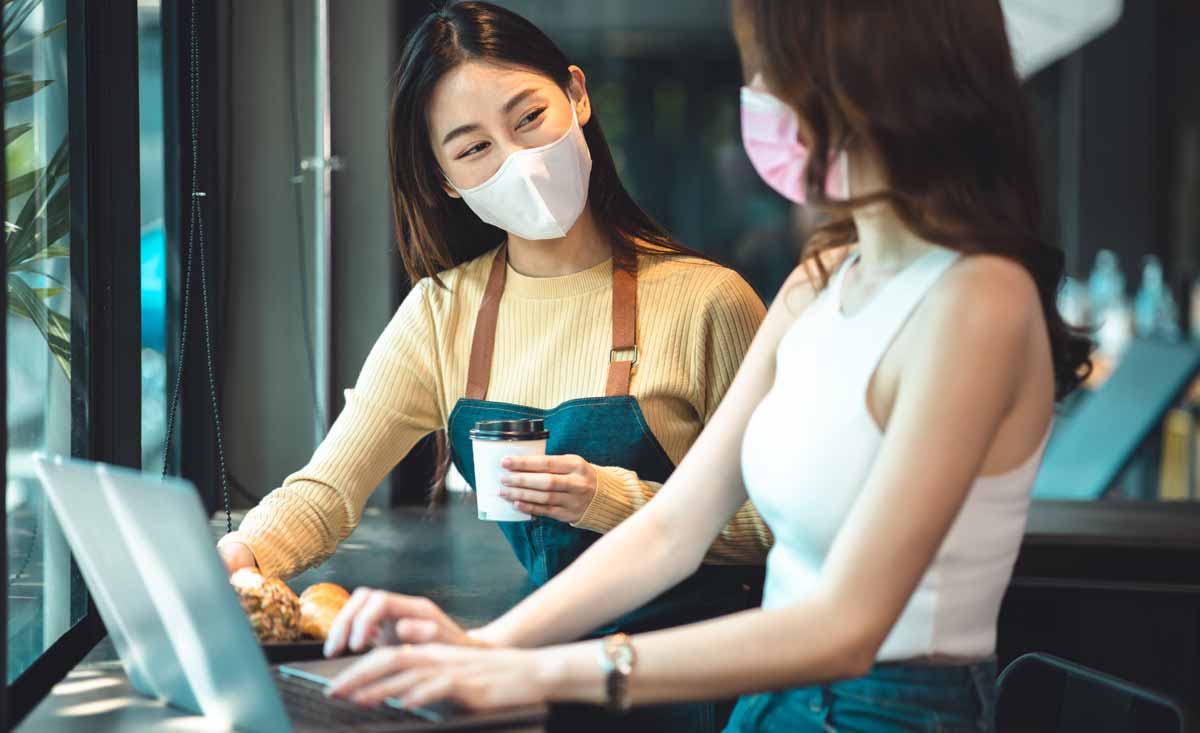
x,y
1147,525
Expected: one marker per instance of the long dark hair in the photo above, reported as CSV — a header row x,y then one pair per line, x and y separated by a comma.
x,y
436,232
927,88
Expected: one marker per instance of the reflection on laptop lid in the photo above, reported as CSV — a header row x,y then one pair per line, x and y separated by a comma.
x,y
83,514
149,559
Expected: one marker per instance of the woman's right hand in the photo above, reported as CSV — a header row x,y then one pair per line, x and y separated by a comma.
x,y
379,618
236,555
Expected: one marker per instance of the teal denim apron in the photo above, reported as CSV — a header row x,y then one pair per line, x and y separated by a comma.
x,y
605,431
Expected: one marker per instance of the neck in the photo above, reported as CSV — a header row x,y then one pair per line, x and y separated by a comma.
x,y
584,247
885,243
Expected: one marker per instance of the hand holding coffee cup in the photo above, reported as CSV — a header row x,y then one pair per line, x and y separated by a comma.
x,y
514,478
559,487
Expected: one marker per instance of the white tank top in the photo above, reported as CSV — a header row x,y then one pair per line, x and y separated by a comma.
x,y
810,446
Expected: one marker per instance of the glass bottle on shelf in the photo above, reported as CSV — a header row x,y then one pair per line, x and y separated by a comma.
x,y
1156,315
1110,315
1073,302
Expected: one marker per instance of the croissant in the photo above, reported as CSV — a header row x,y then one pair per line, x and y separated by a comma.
x,y
319,606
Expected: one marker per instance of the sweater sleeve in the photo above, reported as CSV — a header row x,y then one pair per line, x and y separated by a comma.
x,y
725,325
393,405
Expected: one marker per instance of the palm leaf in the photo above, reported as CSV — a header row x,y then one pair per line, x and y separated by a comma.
x,y
22,184
34,268
59,163
19,48
16,17
31,239
54,327
20,86
16,131
49,253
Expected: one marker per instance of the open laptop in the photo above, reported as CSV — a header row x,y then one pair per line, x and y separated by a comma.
x,y
145,551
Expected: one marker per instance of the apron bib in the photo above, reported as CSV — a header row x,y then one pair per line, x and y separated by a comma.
x,y
605,431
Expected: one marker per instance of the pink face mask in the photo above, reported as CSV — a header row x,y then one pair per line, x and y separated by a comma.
x,y
770,134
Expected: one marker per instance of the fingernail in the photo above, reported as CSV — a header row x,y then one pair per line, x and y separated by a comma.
x,y
506,463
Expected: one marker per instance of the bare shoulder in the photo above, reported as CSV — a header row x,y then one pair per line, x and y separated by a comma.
x,y
984,296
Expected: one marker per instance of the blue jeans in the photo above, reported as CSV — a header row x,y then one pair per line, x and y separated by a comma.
x,y
892,697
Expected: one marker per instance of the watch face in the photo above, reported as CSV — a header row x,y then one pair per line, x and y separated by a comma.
x,y
622,658
620,653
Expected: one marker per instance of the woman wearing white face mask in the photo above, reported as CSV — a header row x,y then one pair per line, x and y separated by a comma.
x,y
541,292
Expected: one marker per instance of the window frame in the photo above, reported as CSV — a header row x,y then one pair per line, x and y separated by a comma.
x,y
102,75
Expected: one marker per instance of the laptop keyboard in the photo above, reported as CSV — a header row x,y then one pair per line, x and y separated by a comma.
x,y
306,703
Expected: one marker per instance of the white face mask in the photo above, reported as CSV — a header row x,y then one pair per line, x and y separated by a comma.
x,y
537,193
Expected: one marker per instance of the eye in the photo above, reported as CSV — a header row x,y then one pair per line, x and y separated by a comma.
x,y
476,148
529,118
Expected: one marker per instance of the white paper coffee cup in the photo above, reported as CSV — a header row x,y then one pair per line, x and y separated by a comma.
x,y
491,442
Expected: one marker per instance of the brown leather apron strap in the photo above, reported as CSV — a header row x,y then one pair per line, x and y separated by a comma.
x,y
483,343
624,326
622,357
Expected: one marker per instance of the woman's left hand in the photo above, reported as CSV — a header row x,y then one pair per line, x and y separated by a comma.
x,y
559,487
478,679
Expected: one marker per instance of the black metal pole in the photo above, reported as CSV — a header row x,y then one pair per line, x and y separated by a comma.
x,y
105,232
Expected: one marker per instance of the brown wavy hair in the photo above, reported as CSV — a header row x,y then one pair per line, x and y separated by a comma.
x,y
928,89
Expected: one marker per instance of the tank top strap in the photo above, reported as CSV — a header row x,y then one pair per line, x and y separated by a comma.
x,y
880,320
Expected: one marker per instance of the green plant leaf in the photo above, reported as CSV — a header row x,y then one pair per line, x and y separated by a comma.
x,y
20,86
33,268
16,16
17,49
54,250
54,213
59,163
48,293
54,327
16,131
22,184
18,241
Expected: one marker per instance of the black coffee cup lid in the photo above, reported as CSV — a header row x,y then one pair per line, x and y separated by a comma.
x,y
510,430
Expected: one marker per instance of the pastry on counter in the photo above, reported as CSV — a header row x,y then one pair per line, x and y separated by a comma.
x,y
319,606
272,608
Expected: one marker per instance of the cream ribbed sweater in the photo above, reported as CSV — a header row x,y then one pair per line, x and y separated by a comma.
x,y
695,322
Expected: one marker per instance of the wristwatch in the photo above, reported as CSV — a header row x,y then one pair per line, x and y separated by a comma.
x,y
617,658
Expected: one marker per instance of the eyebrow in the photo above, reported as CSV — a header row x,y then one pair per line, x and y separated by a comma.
x,y
472,127
459,131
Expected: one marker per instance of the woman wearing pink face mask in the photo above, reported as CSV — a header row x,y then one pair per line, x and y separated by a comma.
x,y
887,422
